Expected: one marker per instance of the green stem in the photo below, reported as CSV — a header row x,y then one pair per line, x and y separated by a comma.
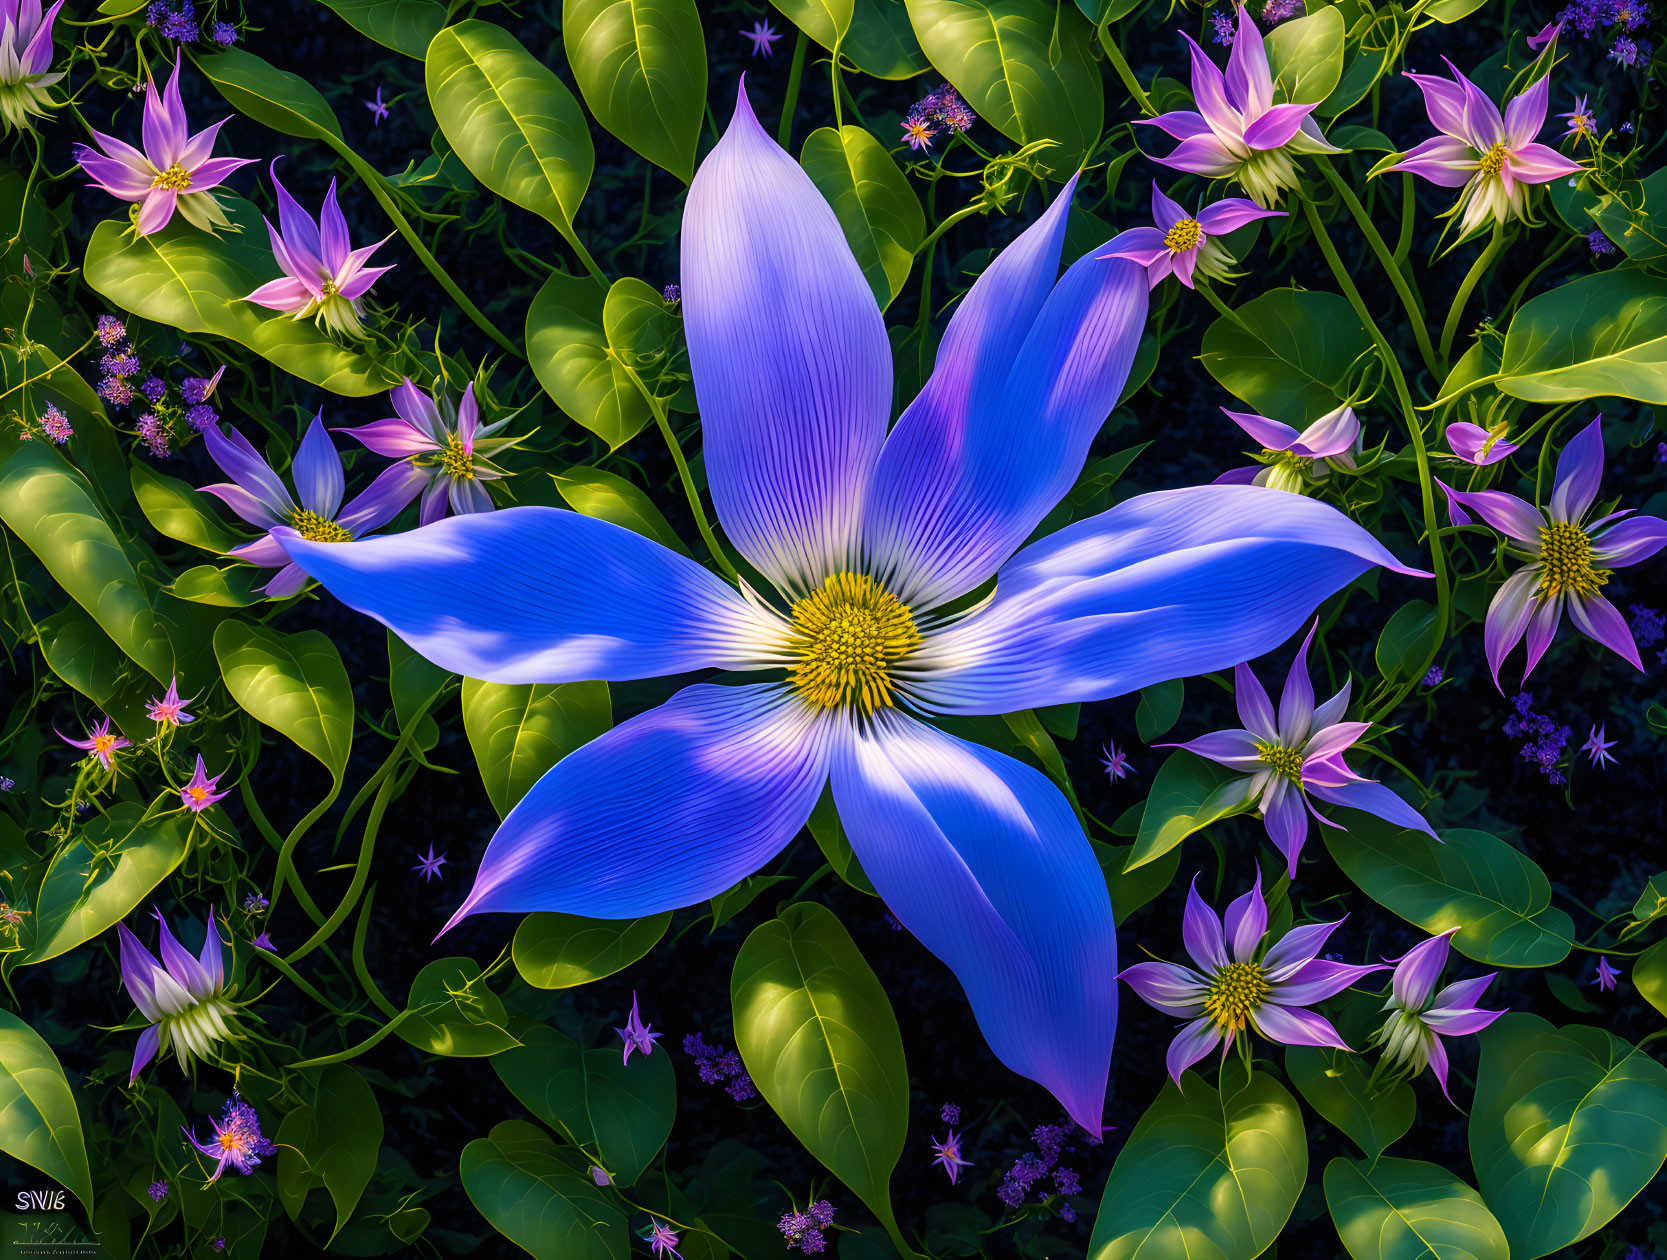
x,y
1409,215
948,223
1472,278
1119,63
360,969
286,855
795,75
352,1052
1415,313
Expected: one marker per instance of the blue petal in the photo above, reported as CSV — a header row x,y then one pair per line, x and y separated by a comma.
x,y
536,594
981,858
791,364
663,811
319,479
1026,375
1163,586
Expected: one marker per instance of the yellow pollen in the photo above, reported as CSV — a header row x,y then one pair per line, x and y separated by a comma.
x,y
1285,762
1237,990
847,636
176,177
1183,236
329,288
1493,161
1566,560
103,743
456,461
1288,459
197,793
312,526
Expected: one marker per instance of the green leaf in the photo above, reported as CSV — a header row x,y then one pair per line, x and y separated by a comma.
x,y
1650,906
274,98
1599,336
83,895
196,283
1649,976
85,657
1335,1086
512,121
1025,67
53,512
1493,893
881,41
821,1043
294,683
644,336
1306,56
1450,11
641,67
330,1142
1188,794
460,1016
223,588
1407,638
877,210
559,951
39,1122
622,1110
412,680
825,828
520,1181
1206,1175
406,26
1567,1126
1159,706
1130,890
568,350
518,731
1291,357
176,510
611,498
1406,1209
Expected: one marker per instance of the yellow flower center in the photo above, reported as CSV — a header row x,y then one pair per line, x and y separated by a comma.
x,y
1237,990
1285,762
329,288
457,461
1183,236
312,526
847,636
1566,561
1299,464
103,743
176,177
1493,161
198,794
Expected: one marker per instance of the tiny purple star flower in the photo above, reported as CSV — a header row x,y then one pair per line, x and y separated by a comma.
x,y
661,1240
1606,976
378,109
100,741
428,865
917,134
1181,244
200,793
170,709
1597,747
762,36
1422,1017
1115,762
1583,123
636,1034
946,1154
237,1139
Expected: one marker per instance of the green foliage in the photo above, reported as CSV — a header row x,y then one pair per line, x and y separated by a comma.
x,y
520,731
559,951
1404,1209
39,1122
535,1196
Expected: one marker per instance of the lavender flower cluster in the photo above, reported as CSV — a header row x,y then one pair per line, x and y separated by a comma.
x,y
940,109
121,386
1543,738
804,1229
1042,1170
718,1066
1619,18
180,24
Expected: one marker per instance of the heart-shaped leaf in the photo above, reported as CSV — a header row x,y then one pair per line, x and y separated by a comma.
x,y
1406,1209
518,731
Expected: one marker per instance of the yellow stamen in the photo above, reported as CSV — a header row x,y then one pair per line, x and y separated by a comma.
x,y
329,288
1493,161
176,177
1285,762
1566,561
312,526
456,461
847,636
1235,991
103,743
1183,236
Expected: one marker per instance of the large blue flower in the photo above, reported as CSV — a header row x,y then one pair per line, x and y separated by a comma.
x,y
868,538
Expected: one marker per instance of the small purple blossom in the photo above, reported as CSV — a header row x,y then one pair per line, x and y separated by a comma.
x,y
115,390
762,37
950,1113
182,997
1606,975
263,941
170,709
223,33
200,793
943,107
1433,678
1628,52
428,864
237,1140
1115,762
1478,446
55,424
1276,11
600,1175
1412,1036
672,294
1221,28
636,1034
443,444
1544,738
917,133
1583,123
158,1190
120,362
661,1240
1597,747
1261,985
378,108
110,330
153,432
946,1154
202,417
101,742
199,389
1183,244
1649,627
804,1229
718,1066
255,903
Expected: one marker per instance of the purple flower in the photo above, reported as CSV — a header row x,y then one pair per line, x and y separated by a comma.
x,y
1412,1036
917,133
1115,762
1583,123
120,362
636,1034
1544,738
198,389
200,793
1571,559
115,390
182,997
1299,754
237,1139
1548,32
153,432
378,109
428,865
1606,976
599,1176
946,1154
1237,131
804,1229
25,60
1493,158
56,424
671,295
325,278
762,36
1597,747
1181,244
1629,15
258,495
263,941
255,903
170,709
1476,445
1291,461
862,537
950,1113
444,444
175,170
223,33
100,741
1221,28
158,1190
110,330
1433,678
1649,627
153,388
1264,989
1598,243
1277,11
943,106
661,1240
1628,51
